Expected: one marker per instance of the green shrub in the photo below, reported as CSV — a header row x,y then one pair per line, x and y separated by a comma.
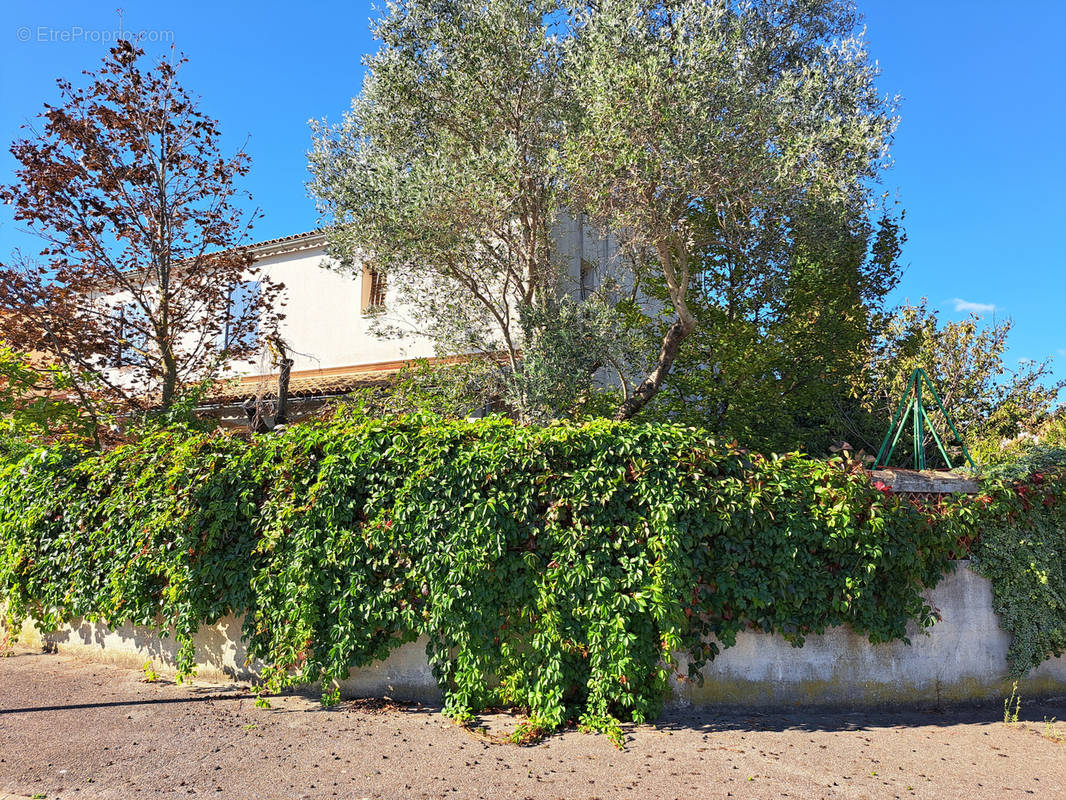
x,y
32,404
560,569
1022,550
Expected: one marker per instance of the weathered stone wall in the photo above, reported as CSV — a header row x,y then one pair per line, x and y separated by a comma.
x,y
963,657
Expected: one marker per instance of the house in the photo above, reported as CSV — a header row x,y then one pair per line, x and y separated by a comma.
x,y
328,319
326,329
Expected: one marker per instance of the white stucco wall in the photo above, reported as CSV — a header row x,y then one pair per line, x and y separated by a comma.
x,y
324,321
963,657
325,324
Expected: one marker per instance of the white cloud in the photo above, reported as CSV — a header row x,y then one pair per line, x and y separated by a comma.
x,y
976,308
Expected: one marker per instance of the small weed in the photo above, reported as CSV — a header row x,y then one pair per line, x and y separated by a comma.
x,y
150,675
262,702
38,796
1050,733
251,727
528,732
462,717
1012,706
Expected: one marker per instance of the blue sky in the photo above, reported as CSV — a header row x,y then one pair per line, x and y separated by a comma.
x,y
979,156
980,163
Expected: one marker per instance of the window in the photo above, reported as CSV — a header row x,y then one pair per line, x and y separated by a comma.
x,y
130,339
588,279
118,358
242,319
374,288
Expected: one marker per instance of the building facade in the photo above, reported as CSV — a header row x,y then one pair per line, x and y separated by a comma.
x,y
328,317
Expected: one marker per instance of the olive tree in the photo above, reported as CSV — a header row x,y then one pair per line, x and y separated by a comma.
x,y
715,108
445,174
481,123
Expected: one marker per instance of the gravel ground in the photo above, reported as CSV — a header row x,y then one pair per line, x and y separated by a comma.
x,y
72,729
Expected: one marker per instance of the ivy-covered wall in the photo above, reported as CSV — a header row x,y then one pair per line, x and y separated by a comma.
x,y
559,568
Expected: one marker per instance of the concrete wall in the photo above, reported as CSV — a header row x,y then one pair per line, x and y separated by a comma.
x,y
221,656
963,657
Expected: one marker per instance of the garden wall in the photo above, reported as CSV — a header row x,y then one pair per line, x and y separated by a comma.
x,y
962,657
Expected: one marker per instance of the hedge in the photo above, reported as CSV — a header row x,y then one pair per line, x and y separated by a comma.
x,y
558,569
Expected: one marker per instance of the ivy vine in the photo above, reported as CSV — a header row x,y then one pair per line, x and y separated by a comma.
x,y
560,569
1022,550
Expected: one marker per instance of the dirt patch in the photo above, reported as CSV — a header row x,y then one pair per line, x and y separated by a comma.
x,y
71,729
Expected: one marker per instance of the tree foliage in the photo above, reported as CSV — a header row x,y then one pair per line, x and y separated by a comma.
x,y
702,120
126,185
990,402
33,406
1039,449
785,324
480,123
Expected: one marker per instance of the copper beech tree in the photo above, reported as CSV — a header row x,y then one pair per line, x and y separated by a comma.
x,y
143,286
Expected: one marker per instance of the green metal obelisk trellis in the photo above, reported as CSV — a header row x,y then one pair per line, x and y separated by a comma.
x,y
911,405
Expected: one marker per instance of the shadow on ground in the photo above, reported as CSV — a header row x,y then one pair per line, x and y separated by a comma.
x,y
697,719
